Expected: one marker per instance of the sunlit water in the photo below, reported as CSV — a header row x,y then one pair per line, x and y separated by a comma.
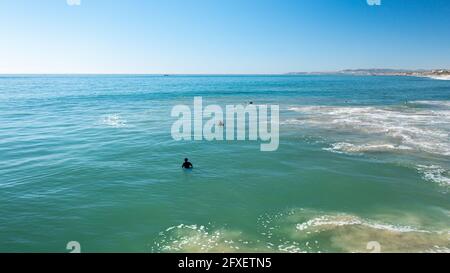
x,y
91,159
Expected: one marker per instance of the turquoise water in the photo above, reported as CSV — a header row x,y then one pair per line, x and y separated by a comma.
x,y
91,159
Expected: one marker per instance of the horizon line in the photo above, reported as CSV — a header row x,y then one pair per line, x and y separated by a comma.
x,y
227,74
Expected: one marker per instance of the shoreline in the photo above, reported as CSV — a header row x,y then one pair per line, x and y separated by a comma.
x,y
441,74
441,78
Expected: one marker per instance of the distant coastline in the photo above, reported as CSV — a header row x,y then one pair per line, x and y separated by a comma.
x,y
438,74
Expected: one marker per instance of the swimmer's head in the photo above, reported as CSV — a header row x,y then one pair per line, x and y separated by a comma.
x,y
185,160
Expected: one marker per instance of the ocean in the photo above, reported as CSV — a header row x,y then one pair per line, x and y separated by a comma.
x,y
363,165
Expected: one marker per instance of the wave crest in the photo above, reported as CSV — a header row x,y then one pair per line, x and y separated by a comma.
x,y
339,232
113,120
434,173
383,128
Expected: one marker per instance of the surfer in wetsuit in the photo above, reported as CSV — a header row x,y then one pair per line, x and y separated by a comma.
x,y
187,164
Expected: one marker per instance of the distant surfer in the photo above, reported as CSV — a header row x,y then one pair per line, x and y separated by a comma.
x,y
187,164
220,124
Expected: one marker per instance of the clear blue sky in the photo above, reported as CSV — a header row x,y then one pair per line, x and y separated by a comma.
x,y
221,36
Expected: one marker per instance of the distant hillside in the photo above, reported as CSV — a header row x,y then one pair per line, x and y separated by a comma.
x,y
381,72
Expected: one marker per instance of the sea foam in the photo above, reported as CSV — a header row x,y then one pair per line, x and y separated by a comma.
x,y
399,128
113,120
434,173
344,232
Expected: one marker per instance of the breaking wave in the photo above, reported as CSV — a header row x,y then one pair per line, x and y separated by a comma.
x,y
338,232
326,222
417,132
195,238
434,173
432,103
383,128
304,230
113,120
343,147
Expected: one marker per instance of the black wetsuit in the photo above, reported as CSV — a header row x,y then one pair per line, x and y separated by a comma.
x,y
187,165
